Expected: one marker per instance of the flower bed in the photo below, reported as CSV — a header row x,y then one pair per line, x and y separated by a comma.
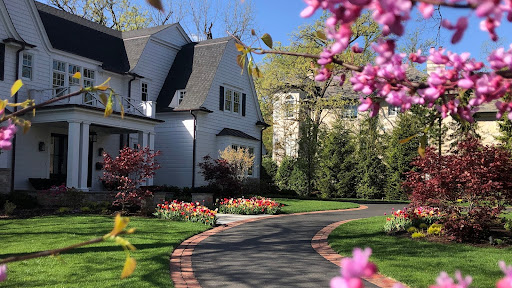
x,y
184,211
252,206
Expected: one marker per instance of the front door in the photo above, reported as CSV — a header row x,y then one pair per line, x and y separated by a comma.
x,y
59,157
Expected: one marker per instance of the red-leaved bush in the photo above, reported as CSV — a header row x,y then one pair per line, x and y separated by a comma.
x,y
474,174
221,175
127,172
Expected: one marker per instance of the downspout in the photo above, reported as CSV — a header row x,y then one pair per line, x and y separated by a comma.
x,y
13,156
261,150
194,150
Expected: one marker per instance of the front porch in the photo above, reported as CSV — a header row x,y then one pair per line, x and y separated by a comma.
x,y
67,142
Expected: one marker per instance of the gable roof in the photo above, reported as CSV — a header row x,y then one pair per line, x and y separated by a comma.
x,y
194,69
118,51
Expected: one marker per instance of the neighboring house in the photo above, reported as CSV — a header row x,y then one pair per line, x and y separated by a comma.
x,y
45,46
287,116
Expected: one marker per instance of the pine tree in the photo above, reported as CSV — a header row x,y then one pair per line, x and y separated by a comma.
x,y
337,163
371,169
398,156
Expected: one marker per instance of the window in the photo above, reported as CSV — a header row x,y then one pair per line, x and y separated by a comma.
x,y
393,110
236,102
59,76
88,77
250,172
181,95
289,106
27,66
228,100
349,112
144,91
232,100
72,69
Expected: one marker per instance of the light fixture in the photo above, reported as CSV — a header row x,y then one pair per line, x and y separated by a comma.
x,y
100,151
42,146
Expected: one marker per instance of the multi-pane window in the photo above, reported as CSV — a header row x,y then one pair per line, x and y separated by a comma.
x,y
228,100
236,102
349,111
27,66
289,106
232,100
393,110
181,95
72,69
144,91
250,172
59,76
88,77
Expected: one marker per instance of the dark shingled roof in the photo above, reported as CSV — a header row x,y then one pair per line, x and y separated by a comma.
x,y
235,133
77,35
193,70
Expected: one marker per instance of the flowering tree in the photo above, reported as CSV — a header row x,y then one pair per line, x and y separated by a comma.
x,y
240,159
128,172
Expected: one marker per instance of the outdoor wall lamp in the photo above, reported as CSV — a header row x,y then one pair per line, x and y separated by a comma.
x,y
42,146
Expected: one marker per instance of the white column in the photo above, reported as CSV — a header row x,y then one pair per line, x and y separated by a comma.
x,y
151,145
143,139
73,154
84,156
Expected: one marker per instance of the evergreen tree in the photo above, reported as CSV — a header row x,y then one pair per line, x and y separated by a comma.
x,y
371,169
337,163
505,137
284,172
398,156
307,162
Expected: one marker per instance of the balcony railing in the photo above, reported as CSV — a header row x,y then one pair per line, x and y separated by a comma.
x,y
92,99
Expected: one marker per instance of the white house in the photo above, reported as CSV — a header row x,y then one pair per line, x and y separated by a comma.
x,y
44,46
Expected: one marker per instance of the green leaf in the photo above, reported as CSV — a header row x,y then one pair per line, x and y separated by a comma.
x,y
321,35
240,60
423,145
239,47
267,39
403,141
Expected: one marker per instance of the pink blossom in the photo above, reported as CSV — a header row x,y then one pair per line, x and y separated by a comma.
x,y
313,5
505,282
426,10
459,28
340,282
3,272
390,14
6,135
356,49
368,104
445,281
416,57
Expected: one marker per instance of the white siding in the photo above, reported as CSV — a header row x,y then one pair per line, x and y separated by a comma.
x,y
174,139
209,125
154,64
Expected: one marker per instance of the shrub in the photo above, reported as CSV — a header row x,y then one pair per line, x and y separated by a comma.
x,y
284,172
128,172
62,196
22,200
45,184
9,208
220,174
417,235
252,206
268,168
423,226
435,229
85,209
63,210
183,211
412,230
241,159
477,174
298,182
508,225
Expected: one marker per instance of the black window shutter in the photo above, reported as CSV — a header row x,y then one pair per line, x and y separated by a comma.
x,y
2,61
221,98
244,100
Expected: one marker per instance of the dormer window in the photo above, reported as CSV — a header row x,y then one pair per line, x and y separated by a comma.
x,y
181,95
144,91
393,110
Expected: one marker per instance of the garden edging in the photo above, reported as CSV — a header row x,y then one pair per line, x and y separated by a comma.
x,y
182,273
321,246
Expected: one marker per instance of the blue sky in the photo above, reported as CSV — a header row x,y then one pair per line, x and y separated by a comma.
x,y
279,18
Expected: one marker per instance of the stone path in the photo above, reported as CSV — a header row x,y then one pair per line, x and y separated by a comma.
x,y
269,252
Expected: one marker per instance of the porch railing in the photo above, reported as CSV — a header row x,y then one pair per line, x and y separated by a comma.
x,y
92,99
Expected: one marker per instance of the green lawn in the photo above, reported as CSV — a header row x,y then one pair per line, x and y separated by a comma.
x,y
297,205
418,263
98,265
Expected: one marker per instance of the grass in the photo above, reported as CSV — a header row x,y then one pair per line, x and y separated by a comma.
x,y
98,265
297,205
418,263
